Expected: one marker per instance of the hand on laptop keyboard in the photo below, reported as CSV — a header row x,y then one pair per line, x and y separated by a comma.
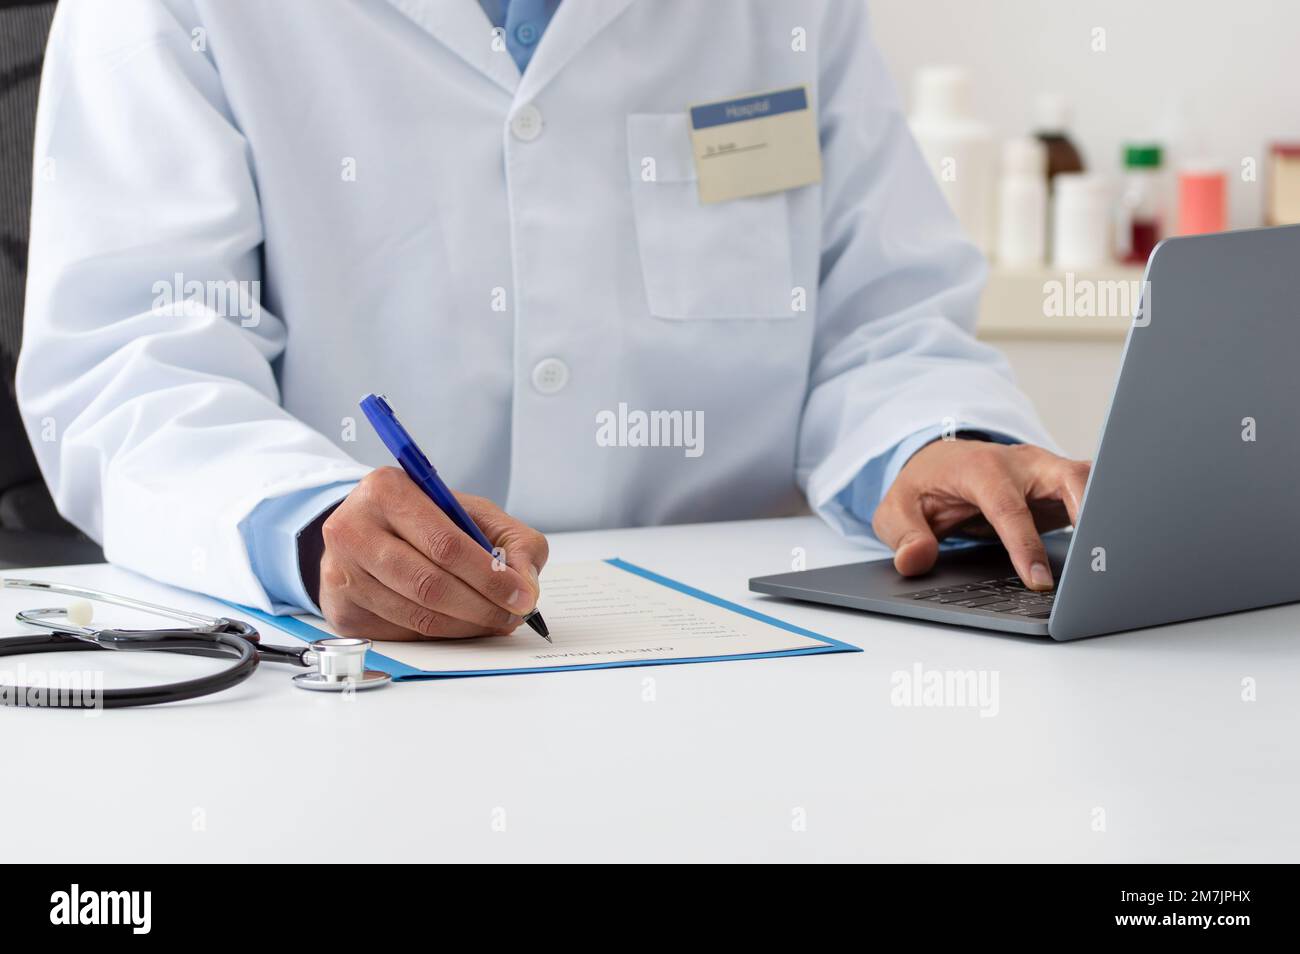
x,y
978,488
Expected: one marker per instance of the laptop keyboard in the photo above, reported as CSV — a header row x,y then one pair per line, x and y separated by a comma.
x,y
997,596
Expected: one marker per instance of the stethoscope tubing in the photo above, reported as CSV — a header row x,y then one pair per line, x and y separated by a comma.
x,y
185,642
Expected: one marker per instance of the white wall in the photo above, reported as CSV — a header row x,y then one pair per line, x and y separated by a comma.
x,y
1216,78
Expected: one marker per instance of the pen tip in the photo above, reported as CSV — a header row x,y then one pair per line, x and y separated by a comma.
x,y
534,619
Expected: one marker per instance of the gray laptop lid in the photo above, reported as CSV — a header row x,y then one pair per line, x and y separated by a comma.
x,y
1193,507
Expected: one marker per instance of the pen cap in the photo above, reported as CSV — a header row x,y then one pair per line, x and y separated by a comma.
x,y
391,432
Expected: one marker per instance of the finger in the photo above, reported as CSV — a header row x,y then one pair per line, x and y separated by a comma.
x,y
427,622
356,621
525,549
356,604
399,568
1002,501
1049,477
359,621
900,522
417,520
1072,481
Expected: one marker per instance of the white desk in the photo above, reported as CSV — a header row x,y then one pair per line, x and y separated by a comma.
x,y
1149,727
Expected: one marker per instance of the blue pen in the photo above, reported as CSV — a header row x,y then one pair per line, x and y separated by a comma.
x,y
419,469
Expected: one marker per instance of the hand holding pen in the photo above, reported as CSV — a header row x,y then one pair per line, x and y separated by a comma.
x,y
397,566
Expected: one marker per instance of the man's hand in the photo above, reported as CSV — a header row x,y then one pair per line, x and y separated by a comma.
x,y
396,567
979,488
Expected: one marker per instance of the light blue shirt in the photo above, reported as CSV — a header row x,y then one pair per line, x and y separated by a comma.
x,y
522,22
270,534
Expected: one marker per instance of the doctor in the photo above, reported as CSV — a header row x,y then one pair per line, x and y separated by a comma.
x,y
247,215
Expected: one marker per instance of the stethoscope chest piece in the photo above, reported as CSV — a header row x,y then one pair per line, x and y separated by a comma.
x,y
340,663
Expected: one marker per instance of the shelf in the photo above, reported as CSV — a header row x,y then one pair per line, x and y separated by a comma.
x,y
1049,303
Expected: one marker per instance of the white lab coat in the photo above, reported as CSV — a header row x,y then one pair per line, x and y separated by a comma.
x,y
485,249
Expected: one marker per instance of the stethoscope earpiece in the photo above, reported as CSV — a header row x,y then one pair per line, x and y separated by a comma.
x,y
80,612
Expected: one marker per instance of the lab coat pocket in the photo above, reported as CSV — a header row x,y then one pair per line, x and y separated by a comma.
x,y
723,260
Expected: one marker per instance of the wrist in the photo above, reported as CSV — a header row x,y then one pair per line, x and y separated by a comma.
x,y
311,547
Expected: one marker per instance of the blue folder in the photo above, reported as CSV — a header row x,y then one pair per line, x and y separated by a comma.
x,y
401,671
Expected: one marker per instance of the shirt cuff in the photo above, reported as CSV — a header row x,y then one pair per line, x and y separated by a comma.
x,y
270,535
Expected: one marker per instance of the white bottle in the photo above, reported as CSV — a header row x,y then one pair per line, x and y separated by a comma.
x,y
1081,223
959,149
1022,204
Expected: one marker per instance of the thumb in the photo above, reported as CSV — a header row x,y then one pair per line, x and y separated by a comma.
x,y
901,524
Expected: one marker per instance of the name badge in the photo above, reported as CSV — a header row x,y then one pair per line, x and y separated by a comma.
x,y
756,144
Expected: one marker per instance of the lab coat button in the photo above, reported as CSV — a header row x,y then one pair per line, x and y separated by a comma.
x,y
550,375
526,123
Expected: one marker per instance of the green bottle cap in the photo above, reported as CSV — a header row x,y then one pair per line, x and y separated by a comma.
x,y
1142,156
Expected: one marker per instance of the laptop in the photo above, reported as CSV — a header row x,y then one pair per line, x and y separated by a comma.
x,y
1192,508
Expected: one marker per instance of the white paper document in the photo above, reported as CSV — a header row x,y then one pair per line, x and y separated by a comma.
x,y
604,613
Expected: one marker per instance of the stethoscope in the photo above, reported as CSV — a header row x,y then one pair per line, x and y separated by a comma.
x,y
338,663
